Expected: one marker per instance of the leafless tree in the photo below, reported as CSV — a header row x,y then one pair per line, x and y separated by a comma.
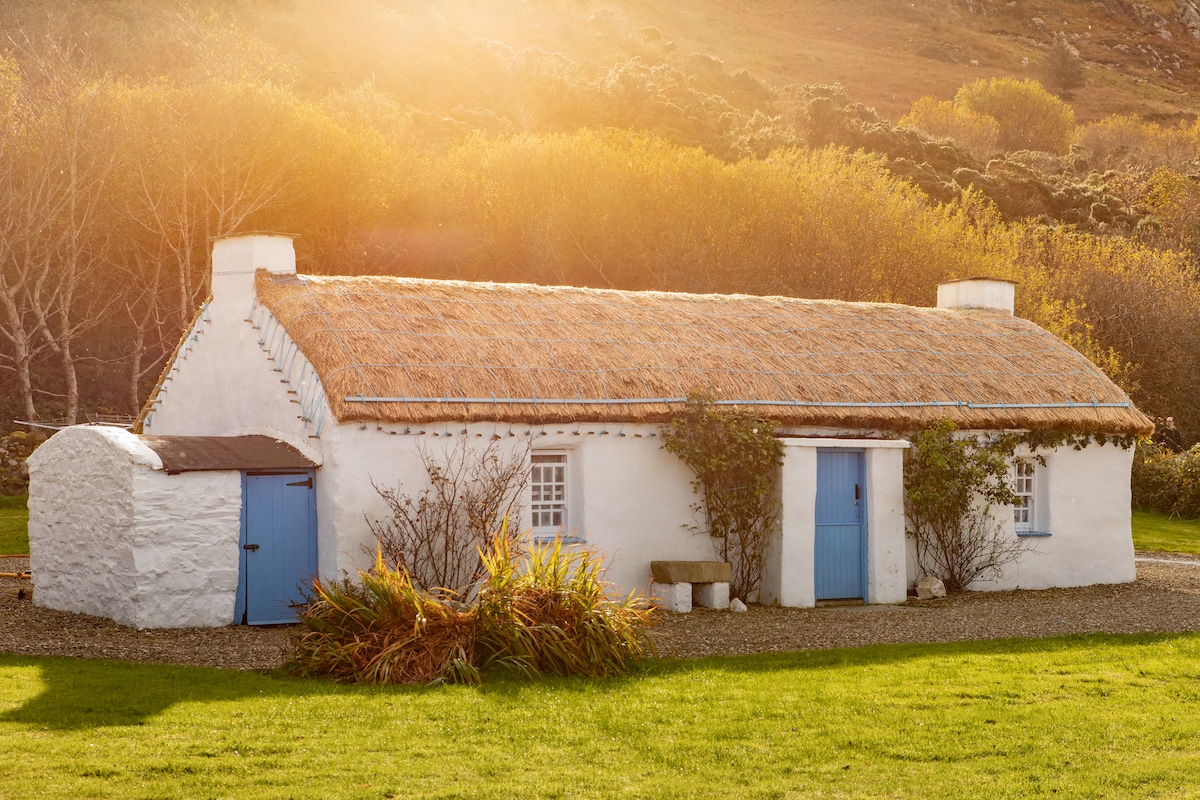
x,y
473,496
209,160
55,159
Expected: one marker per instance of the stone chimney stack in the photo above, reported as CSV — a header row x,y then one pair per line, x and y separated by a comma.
x,y
990,294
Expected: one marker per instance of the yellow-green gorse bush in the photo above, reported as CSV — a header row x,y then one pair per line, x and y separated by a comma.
x,y
547,611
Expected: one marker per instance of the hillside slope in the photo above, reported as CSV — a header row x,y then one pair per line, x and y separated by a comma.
x,y
1139,58
631,144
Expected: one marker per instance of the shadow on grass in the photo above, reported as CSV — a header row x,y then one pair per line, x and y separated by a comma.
x,y
82,694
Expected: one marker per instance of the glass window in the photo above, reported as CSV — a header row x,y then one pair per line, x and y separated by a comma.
x,y
1023,488
549,485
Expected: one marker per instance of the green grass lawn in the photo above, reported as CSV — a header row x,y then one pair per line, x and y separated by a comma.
x,y
14,526
1080,717
1153,531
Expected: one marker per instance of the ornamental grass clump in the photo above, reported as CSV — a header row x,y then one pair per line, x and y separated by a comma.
x,y
382,629
553,614
545,612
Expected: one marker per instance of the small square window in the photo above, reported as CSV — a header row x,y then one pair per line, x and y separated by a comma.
x,y
548,485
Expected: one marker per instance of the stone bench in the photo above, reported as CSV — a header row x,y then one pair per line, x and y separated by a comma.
x,y
678,585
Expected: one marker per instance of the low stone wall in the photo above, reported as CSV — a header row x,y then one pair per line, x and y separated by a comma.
x,y
15,448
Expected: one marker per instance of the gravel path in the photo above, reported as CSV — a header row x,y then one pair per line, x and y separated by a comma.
x,y
1165,598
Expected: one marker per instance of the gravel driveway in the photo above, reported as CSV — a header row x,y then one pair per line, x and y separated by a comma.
x,y
1165,598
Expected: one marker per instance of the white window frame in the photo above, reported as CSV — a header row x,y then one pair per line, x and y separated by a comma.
x,y
557,494
1029,514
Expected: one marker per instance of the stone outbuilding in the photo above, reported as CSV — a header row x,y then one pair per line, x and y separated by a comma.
x,y
153,531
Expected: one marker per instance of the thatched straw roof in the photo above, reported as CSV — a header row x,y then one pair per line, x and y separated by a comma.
x,y
413,351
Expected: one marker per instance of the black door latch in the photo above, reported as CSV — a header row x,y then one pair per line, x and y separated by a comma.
x,y
249,547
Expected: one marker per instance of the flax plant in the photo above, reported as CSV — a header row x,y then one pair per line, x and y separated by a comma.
x,y
555,614
545,611
383,629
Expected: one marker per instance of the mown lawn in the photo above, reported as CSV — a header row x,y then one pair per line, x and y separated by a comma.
x,y
1153,531
14,526
1100,716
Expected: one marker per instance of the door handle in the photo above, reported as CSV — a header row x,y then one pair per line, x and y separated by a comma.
x,y
250,547
857,493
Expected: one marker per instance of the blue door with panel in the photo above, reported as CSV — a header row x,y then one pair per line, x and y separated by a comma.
x,y
841,551
278,546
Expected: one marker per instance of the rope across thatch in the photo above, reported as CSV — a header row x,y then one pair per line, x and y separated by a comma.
x,y
414,351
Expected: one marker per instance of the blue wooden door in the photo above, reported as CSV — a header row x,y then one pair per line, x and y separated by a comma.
x,y
278,546
841,525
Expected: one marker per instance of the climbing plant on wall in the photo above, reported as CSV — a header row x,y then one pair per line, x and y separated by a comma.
x,y
951,482
735,458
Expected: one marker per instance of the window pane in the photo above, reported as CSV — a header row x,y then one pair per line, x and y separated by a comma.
x,y
548,479
1023,488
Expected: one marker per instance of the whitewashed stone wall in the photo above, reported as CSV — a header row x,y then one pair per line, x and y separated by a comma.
x,y
1083,501
113,536
629,498
185,548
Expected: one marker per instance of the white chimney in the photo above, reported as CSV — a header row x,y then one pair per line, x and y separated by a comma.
x,y
235,259
992,294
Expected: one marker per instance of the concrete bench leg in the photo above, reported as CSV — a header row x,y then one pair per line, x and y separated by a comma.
x,y
673,597
711,595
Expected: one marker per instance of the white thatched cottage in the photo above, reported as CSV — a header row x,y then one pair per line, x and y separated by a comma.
x,y
357,374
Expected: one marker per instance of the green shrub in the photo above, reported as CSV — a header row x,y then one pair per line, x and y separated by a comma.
x,y
977,133
951,482
1029,117
545,613
1166,482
